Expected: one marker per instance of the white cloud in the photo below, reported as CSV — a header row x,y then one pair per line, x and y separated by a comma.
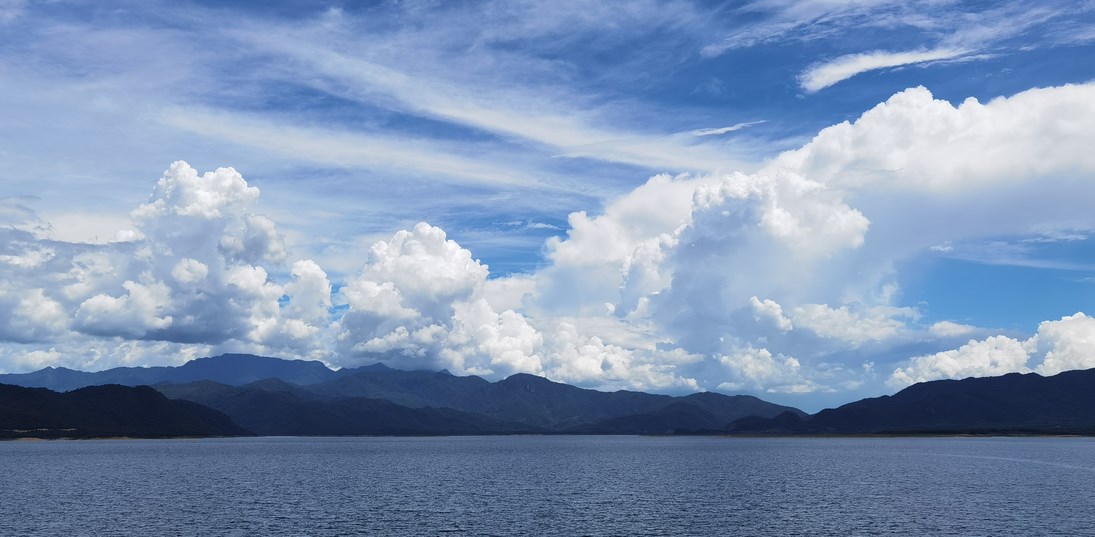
x,y
1061,345
661,205
194,272
35,360
189,270
140,310
996,355
1068,343
724,130
309,293
30,258
771,310
944,329
752,368
587,266
30,315
573,355
914,141
485,342
877,323
510,293
826,74
428,270
745,236
421,301
418,302
182,192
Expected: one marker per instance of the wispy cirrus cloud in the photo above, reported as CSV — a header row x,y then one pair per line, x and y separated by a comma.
x,y
724,130
831,72
781,20
550,116
943,31
340,148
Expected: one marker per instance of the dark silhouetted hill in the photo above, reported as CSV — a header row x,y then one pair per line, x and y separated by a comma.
x,y
106,411
1010,404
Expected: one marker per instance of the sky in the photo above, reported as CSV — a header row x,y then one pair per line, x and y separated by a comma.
x,y
809,201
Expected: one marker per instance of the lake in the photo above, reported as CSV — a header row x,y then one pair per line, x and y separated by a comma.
x,y
550,485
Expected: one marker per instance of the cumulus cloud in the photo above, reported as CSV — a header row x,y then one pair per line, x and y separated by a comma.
x,y
189,271
418,302
918,145
1068,343
996,355
1061,345
744,236
199,271
503,342
574,353
705,261
586,266
140,310
182,192
877,323
771,310
30,315
195,269
580,358
755,369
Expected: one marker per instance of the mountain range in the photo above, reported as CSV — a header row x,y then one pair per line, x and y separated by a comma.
x,y
106,411
271,396
233,369
1010,404
241,394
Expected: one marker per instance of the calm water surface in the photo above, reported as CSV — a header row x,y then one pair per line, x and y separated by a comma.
x,y
565,485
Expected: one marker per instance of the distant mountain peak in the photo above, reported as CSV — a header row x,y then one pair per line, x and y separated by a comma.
x,y
527,377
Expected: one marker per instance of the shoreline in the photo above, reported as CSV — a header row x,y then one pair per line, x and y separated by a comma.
x,y
722,436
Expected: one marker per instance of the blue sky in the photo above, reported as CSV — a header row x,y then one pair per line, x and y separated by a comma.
x,y
809,201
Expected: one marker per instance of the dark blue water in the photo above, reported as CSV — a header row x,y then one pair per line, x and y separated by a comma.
x,y
549,486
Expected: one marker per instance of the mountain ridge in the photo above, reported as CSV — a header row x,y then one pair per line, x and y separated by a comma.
x,y
106,411
307,398
1015,403
526,402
